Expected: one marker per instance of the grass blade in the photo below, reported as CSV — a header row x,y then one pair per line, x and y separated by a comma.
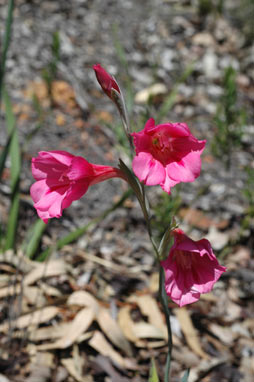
x,y
6,43
33,238
14,151
4,153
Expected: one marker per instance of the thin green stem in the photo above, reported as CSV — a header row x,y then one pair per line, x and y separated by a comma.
x,y
164,301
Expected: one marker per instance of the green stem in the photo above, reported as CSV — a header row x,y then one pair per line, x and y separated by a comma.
x,y
164,301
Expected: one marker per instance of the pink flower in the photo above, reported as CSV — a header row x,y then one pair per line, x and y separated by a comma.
x,y
106,81
62,178
190,269
166,154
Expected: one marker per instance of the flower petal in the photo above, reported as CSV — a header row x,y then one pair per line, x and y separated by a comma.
x,y
187,169
147,169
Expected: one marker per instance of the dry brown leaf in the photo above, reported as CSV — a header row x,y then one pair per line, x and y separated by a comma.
x,y
189,331
73,370
78,326
204,366
83,298
35,318
10,290
226,335
43,270
184,356
113,331
154,282
34,296
149,308
126,323
100,344
144,330
49,332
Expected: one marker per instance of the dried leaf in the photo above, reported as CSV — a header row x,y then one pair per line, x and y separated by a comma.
x,y
35,318
126,323
100,344
113,331
78,326
49,332
83,298
73,370
144,330
149,308
189,331
44,270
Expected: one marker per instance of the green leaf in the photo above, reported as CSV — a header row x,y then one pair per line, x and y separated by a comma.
x,y
33,238
153,375
4,153
186,376
14,151
6,43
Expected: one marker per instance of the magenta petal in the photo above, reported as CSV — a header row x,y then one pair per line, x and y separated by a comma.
x,y
149,124
172,130
50,164
186,170
80,168
75,192
60,156
147,169
52,202
168,183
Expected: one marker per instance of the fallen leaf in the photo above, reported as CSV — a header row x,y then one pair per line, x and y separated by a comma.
x,y
149,308
77,326
44,270
49,332
144,330
189,331
73,370
113,331
83,298
34,318
102,346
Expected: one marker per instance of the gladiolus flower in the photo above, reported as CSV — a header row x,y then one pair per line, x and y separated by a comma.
x,y
190,269
62,178
106,81
166,154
